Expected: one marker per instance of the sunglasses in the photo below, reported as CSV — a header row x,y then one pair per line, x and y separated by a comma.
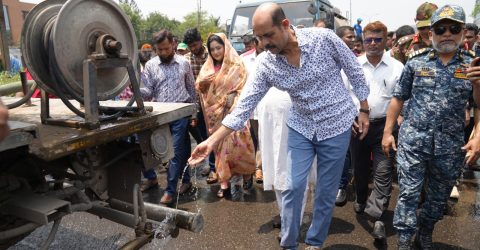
x,y
454,29
370,40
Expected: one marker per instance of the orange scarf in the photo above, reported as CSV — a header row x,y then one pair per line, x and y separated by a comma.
x,y
219,93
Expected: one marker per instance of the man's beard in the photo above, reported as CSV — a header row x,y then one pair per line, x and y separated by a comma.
x,y
167,59
446,47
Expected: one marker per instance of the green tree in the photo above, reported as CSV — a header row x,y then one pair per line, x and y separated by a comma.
x,y
476,10
155,22
131,3
208,24
133,12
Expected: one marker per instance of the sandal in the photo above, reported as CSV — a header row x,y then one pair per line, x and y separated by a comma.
x,y
212,178
221,192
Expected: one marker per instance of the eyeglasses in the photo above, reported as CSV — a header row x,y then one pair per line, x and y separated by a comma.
x,y
370,40
454,29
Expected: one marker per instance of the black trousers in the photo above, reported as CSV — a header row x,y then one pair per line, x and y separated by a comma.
x,y
368,158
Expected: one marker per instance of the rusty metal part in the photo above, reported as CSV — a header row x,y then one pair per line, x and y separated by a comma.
x,y
55,142
23,80
54,25
183,219
34,52
97,18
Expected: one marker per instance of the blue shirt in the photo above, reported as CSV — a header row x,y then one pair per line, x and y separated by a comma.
x,y
168,82
321,104
358,30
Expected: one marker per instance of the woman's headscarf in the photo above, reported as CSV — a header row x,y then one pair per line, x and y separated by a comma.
x,y
220,90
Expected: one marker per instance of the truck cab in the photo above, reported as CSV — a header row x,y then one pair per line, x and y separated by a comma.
x,y
300,13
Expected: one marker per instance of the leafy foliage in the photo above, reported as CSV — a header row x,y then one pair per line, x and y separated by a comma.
x,y
146,27
134,14
155,22
208,23
476,10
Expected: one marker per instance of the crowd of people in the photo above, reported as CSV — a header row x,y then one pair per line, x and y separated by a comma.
x,y
338,102
302,105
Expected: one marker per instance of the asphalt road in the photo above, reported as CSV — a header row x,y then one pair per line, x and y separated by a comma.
x,y
248,224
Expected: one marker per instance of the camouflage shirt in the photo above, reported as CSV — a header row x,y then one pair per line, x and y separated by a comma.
x,y
437,96
407,45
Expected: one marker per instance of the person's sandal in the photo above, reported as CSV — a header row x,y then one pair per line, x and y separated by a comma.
x,y
212,178
221,192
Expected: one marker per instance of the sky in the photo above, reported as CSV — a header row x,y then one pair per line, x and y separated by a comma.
x,y
392,13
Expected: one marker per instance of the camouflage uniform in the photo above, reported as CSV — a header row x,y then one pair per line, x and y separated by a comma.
x,y
409,44
431,137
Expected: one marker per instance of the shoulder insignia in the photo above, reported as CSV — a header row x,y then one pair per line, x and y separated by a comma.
x,y
419,52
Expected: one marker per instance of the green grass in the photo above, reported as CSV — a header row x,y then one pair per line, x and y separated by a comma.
x,y
6,77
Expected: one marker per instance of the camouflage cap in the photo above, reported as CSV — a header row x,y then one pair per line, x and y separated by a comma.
x,y
450,12
424,13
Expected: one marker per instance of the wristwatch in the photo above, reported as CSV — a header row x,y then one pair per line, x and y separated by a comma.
x,y
366,111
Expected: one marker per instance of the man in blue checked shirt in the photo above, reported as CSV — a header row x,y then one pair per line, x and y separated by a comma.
x,y
306,63
169,78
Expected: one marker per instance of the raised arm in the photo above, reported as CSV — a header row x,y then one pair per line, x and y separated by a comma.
x,y
249,98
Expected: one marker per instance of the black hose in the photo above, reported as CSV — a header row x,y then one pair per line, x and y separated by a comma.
x,y
51,235
24,99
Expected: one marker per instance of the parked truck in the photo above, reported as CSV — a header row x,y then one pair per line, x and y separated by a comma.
x,y
300,13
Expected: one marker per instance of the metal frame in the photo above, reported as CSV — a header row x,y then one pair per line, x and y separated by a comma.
x,y
93,110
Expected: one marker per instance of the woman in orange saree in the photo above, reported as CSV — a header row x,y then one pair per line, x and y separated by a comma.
x,y
219,83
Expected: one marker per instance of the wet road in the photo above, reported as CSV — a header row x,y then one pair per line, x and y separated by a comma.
x,y
248,224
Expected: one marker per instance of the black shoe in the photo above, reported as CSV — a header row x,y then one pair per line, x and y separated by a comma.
x,y
379,230
277,221
423,240
341,199
359,207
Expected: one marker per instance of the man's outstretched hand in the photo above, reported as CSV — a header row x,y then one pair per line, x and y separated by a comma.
x,y
200,153
203,150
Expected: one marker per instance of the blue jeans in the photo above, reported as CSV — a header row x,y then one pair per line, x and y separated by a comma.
x,y
150,174
346,172
182,149
330,158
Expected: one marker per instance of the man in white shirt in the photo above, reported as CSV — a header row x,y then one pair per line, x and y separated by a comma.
x,y
382,73
250,64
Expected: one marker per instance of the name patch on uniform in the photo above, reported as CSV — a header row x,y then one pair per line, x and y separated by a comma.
x,y
425,72
460,73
